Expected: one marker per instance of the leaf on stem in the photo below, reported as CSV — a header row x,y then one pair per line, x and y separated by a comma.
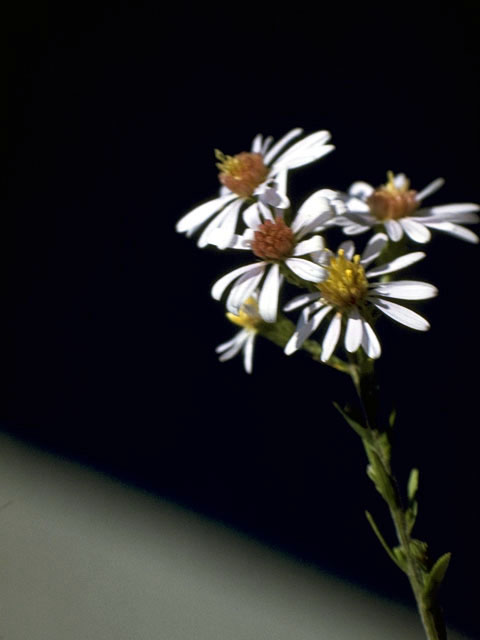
x,y
435,578
412,486
376,530
392,417
356,426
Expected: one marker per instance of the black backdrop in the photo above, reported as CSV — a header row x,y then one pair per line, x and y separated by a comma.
x,y
108,328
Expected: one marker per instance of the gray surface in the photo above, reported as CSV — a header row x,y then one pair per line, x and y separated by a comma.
x,y
85,558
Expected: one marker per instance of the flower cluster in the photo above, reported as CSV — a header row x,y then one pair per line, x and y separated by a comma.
x,y
253,213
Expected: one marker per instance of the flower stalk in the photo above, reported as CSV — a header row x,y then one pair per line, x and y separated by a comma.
x,y
410,555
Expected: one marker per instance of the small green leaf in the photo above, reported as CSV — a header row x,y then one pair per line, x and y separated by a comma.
x,y
412,486
411,516
392,418
376,530
435,578
353,423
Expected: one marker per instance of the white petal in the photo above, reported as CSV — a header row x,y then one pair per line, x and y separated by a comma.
x,y
305,328
394,230
306,270
361,190
310,212
370,343
221,284
316,243
209,233
415,230
251,216
294,133
374,248
429,189
395,265
299,301
291,161
405,290
244,287
331,337
248,352
354,229
268,298
196,217
232,347
354,332
450,211
312,146
455,230
402,315
349,248
266,145
272,196
265,211
257,143
226,230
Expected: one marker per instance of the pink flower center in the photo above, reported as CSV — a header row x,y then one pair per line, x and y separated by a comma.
x,y
273,240
242,173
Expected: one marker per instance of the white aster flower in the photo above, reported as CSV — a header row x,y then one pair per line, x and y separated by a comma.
x,y
260,174
395,206
276,244
348,297
249,319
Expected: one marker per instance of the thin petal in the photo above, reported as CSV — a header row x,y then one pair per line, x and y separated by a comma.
x,y
221,284
299,301
291,161
306,270
251,216
354,332
374,248
278,146
450,211
395,265
349,248
305,328
196,217
235,345
331,337
405,290
316,243
312,146
402,315
226,230
311,213
248,352
257,143
361,190
268,298
415,230
455,230
370,343
430,188
244,287
394,230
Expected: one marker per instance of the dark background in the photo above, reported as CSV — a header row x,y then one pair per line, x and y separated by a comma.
x,y
108,329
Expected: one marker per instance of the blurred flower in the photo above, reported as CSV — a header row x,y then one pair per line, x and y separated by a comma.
x,y
396,207
256,175
277,245
350,297
248,318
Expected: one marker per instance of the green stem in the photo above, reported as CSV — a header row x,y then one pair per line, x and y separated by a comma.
x,y
377,447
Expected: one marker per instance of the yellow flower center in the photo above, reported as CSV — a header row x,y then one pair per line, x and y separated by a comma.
x,y
242,173
248,316
346,285
390,202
